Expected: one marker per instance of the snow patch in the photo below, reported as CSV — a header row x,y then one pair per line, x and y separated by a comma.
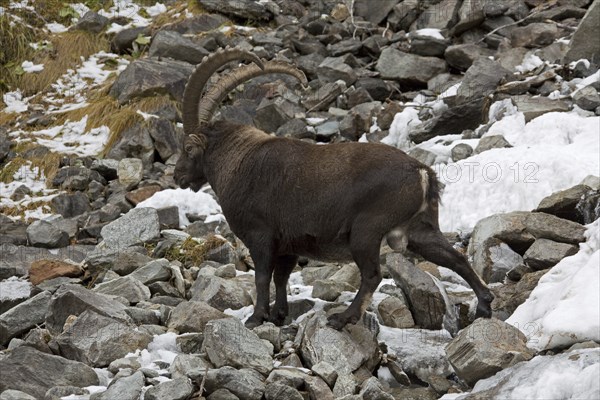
x,y
29,67
401,127
14,289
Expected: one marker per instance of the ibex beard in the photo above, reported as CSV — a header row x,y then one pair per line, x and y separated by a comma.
x,y
286,198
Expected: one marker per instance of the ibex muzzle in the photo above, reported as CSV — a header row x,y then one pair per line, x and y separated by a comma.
x,y
286,198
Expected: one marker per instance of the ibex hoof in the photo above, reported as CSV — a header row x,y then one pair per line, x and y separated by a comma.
x,y
339,321
254,321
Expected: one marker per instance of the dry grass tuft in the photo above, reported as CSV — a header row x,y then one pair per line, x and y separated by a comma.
x,y
192,252
8,171
14,49
179,8
67,51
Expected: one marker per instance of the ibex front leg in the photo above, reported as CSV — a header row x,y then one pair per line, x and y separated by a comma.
x,y
263,271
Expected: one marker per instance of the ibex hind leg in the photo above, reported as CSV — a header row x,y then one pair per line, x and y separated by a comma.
x,y
366,256
434,247
283,268
264,265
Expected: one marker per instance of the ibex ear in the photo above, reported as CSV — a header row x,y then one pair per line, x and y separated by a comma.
x,y
195,145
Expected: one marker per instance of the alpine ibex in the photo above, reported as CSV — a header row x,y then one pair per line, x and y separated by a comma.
x,y
286,198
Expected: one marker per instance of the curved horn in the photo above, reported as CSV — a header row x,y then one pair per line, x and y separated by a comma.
x,y
209,103
198,79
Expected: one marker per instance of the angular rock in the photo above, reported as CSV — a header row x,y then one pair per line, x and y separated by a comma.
x,y
130,172
228,342
134,142
544,253
154,271
220,293
470,15
273,113
535,107
461,151
126,388
97,340
410,70
12,232
44,270
426,157
23,317
492,142
238,8
321,99
193,316
333,69
173,45
563,204
373,390
587,98
462,56
440,16
276,391
481,79
493,259
91,22
537,34
486,347
326,371
185,365
166,136
245,383
33,372
127,287
145,77
330,290
345,350
428,46
376,15
43,234
419,352
580,45
137,226
423,295
318,389
177,389
404,14
395,313
15,395
74,300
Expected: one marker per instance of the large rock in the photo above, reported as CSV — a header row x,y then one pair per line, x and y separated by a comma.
x,y
481,79
587,98
439,16
220,293
512,294
365,9
410,70
97,340
245,383
43,234
134,142
486,347
462,56
70,204
33,372
419,352
537,34
544,253
177,389
125,388
23,317
581,46
43,270
346,350
425,299
470,15
91,22
193,316
74,300
148,76
173,45
535,107
520,229
127,287
563,204
493,259
228,342
333,69
245,9
136,227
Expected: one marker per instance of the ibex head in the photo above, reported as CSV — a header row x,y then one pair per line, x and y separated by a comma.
x,y
198,108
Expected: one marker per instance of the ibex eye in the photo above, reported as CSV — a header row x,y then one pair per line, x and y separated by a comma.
x,y
189,148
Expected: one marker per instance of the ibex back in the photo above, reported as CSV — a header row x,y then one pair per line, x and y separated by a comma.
x,y
286,198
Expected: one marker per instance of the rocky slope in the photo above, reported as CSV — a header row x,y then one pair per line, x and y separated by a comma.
x,y
116,284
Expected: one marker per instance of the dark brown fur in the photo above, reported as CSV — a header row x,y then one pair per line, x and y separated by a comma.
x,y
286,198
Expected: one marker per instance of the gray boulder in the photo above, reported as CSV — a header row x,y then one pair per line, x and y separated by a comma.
x,y
228,342
192,316
345,350
470,15
11,394
425,299
580,45
486,347
537,34
330,290
98,340
462,56
185,365
33,372
154,271
177,389
134,142
544,253
130,172
492,142
127,287
376,15
410,70
150,76
394,312
126,388
136,227
493,259
481,79
512,294
173,45
74,300
220,293
535,107
276,391
244,9
587,98
333,69
461,151
245,383
44,234
440,16
23,317
91,22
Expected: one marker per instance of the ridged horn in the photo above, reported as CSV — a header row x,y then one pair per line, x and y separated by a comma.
x,y
199,78
209,103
